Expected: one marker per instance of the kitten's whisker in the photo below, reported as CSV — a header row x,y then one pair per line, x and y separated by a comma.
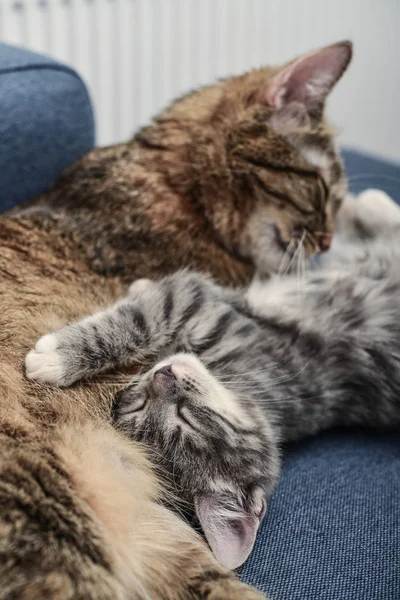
x,y
255,386
291,376
268,401
286,399
276,400
240,380
257,371
280,379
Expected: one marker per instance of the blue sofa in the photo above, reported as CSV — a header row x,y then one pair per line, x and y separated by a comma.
x,y
332,531
46,122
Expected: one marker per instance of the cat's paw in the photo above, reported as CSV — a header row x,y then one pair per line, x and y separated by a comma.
x,y
139,286
46,363
377,211
372,213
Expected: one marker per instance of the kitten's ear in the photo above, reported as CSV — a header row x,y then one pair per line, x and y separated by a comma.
x,y
229,529
309,79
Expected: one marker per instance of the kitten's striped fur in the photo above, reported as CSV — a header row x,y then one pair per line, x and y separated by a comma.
x,y
238,372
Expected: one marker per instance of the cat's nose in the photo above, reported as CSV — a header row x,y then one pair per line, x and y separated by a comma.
x,y
165,371
324,241
164,380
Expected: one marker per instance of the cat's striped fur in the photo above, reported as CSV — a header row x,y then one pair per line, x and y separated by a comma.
x,y
236,373
223,181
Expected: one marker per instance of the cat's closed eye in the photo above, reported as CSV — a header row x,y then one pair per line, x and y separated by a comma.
x,y
130,401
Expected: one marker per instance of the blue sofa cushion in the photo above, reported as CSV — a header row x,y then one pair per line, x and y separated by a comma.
x,y
46,122
366,171
332,530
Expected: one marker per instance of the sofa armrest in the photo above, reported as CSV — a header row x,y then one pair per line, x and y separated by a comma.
x,y
46,123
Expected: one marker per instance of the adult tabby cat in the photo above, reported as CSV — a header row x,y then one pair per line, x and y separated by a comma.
x,y
221,182
236,373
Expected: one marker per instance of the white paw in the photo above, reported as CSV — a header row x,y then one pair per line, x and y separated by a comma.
x,y
377,211
139,286
373,210
44,363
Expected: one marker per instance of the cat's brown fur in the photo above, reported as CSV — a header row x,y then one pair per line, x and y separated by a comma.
x,y
195,187
78,510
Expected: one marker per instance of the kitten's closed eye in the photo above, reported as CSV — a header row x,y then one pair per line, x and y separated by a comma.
x,y
136,404
130,400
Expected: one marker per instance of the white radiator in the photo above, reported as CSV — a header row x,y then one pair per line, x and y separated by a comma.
x,y
136,55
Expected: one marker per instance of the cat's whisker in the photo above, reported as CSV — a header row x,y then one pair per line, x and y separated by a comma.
x,y
234,381
257,371
301,270
373,176
86,383
294,257
175,451
298,259
290,377
276,380
158,459
269,401
263,396
302,264
285,257
241,378
289,399
249,388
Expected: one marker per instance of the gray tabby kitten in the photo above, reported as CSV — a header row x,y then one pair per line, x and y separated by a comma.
x,y
237,373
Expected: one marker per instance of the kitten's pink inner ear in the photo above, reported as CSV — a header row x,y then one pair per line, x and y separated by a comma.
x,y
310,78
230,532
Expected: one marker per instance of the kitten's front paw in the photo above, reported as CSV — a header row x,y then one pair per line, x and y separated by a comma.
x,y
45,363
377,211
372,213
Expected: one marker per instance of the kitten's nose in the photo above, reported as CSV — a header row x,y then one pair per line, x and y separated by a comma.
x,y
165,371
164,380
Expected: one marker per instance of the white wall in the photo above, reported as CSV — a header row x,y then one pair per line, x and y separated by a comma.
x,y
136,55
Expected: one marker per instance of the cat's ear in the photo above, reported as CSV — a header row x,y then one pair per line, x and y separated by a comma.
x,y
229,529
309,79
